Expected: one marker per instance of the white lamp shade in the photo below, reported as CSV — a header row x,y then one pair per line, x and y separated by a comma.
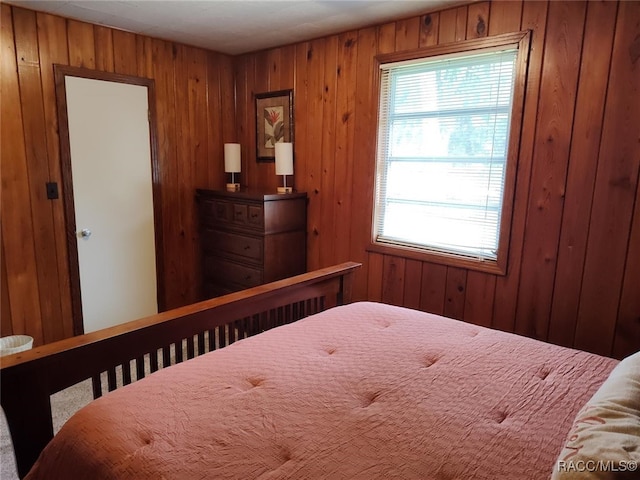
x,y
284,158
232,157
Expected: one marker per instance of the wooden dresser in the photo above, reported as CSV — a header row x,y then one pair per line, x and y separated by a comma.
x,y
249,238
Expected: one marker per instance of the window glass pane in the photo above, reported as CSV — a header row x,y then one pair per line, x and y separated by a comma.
x,y
442,146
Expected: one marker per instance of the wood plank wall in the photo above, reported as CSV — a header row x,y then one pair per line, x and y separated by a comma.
x,y
574,260
196,115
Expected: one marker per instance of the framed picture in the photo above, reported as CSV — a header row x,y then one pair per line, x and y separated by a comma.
x,y
274,122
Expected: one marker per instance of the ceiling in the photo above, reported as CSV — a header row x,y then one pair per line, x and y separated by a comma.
x,y
235,26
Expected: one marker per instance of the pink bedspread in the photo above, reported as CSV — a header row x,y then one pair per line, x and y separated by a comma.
x,y
365,391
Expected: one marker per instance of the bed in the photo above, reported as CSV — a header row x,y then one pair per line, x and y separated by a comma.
x,y
338,390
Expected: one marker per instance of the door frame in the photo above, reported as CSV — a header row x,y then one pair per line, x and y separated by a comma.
x,y
60,73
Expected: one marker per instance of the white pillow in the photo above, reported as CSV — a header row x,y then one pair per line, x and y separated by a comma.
x,y
604,441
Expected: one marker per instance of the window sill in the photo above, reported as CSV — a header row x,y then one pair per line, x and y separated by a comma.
x,y
450,260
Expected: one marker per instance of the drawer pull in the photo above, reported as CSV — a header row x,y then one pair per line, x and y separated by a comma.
x,y
248,277
247,247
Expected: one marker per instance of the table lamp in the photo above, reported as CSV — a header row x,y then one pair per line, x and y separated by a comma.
x,y
232,164
284,164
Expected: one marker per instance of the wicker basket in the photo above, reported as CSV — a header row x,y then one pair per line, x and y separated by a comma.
x,y
15,344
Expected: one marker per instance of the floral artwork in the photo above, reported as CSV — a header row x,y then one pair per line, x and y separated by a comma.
x,y
274,122
273,126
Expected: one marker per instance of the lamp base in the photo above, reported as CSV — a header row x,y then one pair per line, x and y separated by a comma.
x,y
285,189
233,187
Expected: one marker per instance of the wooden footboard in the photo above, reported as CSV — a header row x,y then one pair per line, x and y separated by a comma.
x,y
29,378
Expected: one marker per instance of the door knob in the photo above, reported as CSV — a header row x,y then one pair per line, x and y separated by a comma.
x,y
85,233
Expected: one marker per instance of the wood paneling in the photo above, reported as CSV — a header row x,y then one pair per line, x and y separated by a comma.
x,y
37,169
393,280
36,295
615,194
569,247
534,17
598,41
18,235
572,275
549,172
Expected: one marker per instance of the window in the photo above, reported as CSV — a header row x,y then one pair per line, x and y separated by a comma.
x,y
445,166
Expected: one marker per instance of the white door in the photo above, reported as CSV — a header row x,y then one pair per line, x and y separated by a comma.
x,y
112,191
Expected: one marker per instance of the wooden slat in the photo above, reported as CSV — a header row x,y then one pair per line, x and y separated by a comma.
x,y
144,56
6,326
387,37
374,285
313,159
455,292
52,42
111,379
201,343
583,163
407,34
627,336
179,351
140,370
412,284
103,38
534,17
248,86
429,26
166,353
163,74
393,280
184,175
226,86
217,137
191,350
433,286
478,300
126,373
199,133
17,234
262,178
505,17
153,361
273,58
26,41
363,162
478,20
447,26
327,160
81,44
461,23
301,117
344,146
552,143
615,190
96,386
124,53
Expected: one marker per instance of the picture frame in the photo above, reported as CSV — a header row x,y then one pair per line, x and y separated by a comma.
x,y
274,122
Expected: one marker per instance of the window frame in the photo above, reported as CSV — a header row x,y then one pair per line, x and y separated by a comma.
x,y
520,40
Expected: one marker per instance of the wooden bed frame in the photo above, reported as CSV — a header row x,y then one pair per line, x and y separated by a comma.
x,y
29,378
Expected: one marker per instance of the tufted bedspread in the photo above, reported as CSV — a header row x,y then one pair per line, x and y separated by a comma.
x,y
364,391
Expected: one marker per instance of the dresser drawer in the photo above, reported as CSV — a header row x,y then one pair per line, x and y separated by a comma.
x,y
220,243
217,212
247,215
219,270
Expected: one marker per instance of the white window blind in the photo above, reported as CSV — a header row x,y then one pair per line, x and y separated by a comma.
x,y
442,152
